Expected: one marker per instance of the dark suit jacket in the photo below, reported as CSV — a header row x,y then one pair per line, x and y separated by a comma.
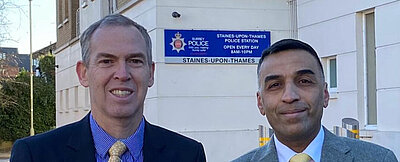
x,y
74,143
334,149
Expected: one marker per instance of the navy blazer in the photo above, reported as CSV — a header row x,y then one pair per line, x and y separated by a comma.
x,y
74,143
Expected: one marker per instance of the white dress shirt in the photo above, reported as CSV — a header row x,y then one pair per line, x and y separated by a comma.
x,y
314,149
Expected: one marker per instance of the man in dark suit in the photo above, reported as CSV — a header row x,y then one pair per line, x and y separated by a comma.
x,y
117,67
292,94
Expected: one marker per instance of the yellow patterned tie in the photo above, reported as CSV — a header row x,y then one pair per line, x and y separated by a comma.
x,y
301,157
116,150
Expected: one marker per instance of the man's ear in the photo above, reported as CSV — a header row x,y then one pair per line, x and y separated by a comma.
x,y
326,95
260,103
152,69
81,71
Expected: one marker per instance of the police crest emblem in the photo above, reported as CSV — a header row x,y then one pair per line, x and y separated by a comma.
x,y
178,43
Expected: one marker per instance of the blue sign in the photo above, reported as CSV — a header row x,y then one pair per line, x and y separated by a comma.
x,y
214,46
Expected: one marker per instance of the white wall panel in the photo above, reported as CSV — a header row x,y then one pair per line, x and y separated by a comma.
x,y
151,110
331,37
387,64
387,24
209,113
388,109
223,19
90,14
347,72
316,11
207,80
345,106
144,14
65,73
234,4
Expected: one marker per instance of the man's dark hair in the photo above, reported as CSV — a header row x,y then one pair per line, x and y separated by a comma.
x,y
288,44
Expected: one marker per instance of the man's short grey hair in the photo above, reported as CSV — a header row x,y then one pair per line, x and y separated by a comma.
x,y
112,20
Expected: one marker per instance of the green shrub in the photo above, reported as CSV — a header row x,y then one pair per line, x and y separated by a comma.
x,y
15,102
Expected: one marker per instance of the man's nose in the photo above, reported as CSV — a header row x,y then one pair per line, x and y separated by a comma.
x,y
122,72
290,93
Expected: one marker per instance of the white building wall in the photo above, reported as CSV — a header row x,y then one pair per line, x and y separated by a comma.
x,y
209,102
71,98
215,104
91,12
333,28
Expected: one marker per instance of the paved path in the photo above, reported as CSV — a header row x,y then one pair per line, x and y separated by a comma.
x,y
4,157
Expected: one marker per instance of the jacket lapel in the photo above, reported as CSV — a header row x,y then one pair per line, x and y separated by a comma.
x,y
266,153
334,148
80,146
154,145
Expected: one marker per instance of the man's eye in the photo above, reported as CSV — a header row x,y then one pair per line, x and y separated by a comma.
x,y
305,81
105,61
273,85
135,61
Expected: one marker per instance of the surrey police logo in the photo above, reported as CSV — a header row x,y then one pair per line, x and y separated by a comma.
x,y
178,43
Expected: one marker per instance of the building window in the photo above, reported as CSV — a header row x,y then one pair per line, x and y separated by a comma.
x,y
60,12
370,68
67,99
76,94
330,65
332,74
63,12
121,3
66,11
111,6
61,100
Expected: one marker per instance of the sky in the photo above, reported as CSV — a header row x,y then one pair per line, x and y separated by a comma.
x,y
43,25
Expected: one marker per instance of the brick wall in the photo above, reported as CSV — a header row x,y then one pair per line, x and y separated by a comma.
x,y
66,30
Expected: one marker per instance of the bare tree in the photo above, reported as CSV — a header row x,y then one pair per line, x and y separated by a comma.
x,y
7,59
5,7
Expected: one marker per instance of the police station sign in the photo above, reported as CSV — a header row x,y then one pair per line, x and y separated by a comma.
x,y
214,46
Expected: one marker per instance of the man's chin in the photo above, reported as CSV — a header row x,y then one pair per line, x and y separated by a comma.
x,y
293,132
124,113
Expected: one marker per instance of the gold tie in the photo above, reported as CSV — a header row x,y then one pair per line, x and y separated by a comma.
x,y
116,150
301,157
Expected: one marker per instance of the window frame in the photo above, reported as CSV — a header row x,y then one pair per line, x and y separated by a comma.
x,y
326,62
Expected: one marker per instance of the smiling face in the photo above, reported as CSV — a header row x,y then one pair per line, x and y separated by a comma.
x,y
118,74
292,95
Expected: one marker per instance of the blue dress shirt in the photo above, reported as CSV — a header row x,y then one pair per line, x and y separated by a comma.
x,y
103,141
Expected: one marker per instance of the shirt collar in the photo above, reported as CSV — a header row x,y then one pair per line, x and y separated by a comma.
x,y
314,149
103,141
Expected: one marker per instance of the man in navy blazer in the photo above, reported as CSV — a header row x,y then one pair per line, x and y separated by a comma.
x,y
117,67
292,95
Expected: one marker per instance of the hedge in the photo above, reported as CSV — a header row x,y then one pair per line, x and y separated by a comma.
x,y
15,102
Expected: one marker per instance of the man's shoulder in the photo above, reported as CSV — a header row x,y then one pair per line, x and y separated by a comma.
x,y
171,137
170,146
360,150
55,135
249,155
51,143
364,148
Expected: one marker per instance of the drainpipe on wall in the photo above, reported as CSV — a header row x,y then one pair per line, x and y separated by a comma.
x,y
293,18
